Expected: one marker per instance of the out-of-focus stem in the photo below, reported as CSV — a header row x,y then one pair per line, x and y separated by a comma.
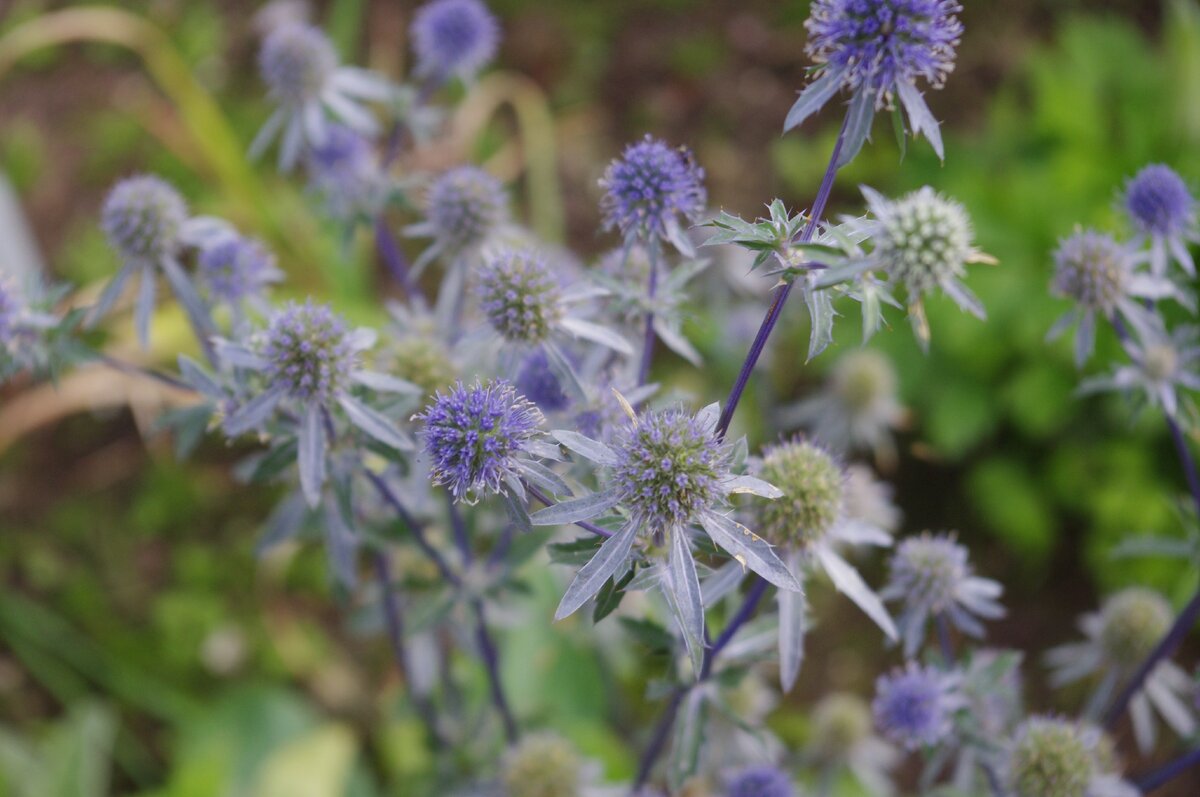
x,y
653,250
1168,772
491,662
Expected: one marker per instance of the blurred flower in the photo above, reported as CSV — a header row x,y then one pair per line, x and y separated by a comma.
x,y
1120,637
537,381
868,499
760,781
309,359
857,408
1099,274
476,437
454,38
23,330
843,737
1163,210
300,66
543,765
877,49
931,577
1058,758
1162,363
914,706
649,190
344,171
464,208
808,523
236,271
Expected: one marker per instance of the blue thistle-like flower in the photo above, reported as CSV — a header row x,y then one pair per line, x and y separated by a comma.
x,y
23,330
520,297
650,189
761,781
300,67
537,381
1163,209
454,38
143,217
914,706
309,353
236,269
344,172
931,577
464,207
475,435
1163,365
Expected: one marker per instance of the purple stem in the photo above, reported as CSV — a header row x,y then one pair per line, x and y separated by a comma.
x,y
1169,771
652,250
782,292
414,526
1191,612
459,525
118,364
548,501
393,257
491,660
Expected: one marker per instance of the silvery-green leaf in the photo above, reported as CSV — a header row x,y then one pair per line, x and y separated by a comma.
x,y
748,548
682,587
185,292
585,508
722,582
195,375
111,293
386,383
517,513
611,558
374,423
596,334
919,116
679,239
237,355
793,626
311,452
849,582
565,372
253,413
675,341
340,545
592,449
265,135
543,478
858,125
687,740
813,98
681,274
283,524
708,416
752,485
964,298
821,313
143,311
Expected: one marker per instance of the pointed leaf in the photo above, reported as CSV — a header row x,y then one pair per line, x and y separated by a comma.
x,y
253,413
682,586
813,98
585,508
748,548
793,626
374,423
592,449
596,334
311,453
611,557
849,582
858,125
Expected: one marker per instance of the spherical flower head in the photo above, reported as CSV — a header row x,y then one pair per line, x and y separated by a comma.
x,y
929,569
308,352
454,37
877,44
296,63
142,217
914,706
650,187
1159,202
422,360
520,297
473,435
669,468
763,781
864,380
465,205
812,485
925,240
840,722
236,268
1092,269
1051,758
1132,623
538,383
543,765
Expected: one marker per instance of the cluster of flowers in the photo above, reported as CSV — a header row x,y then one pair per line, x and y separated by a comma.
x,y
515,403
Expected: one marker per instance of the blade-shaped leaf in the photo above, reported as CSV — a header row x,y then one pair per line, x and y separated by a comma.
x,y
848,581
592,449
813,98
748,548
252,414
793,626
611,557
311,453
374,423
682,586
596,334
585,508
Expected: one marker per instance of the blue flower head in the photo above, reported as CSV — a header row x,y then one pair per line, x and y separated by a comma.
x,y
914,706
454,38
235,269
762,781
538,382
519,296
143,217
343,170
474,434
650,188
296,63
1159,202
308,352
464,206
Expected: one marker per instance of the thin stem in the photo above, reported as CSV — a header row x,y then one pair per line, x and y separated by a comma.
x,y
548,501
1168,772
743,615
782,292
653,251
393,257
944,642
118,364
394,620
459,525
659,740
415,527
491,661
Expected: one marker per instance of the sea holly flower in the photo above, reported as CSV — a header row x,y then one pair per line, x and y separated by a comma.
x,y
843,738
809,525
23,330
1099,275
914,706
537,382
309,362
454,38
1120,637
870,500
146,222
650,191
300,66
344,171
931,577
236,271
1162,363
1163,210
924,241
465,207
668,472
760,781
878,50
1052,757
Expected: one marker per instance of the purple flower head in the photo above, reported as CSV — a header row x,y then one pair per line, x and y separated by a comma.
x,y
143,217
236,268
669,468
649,188
538,382
914,705
519,296
464,206
343,169
309,352
296,63
474,434
880,44
761,781
1093,269
454,37
1159,202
